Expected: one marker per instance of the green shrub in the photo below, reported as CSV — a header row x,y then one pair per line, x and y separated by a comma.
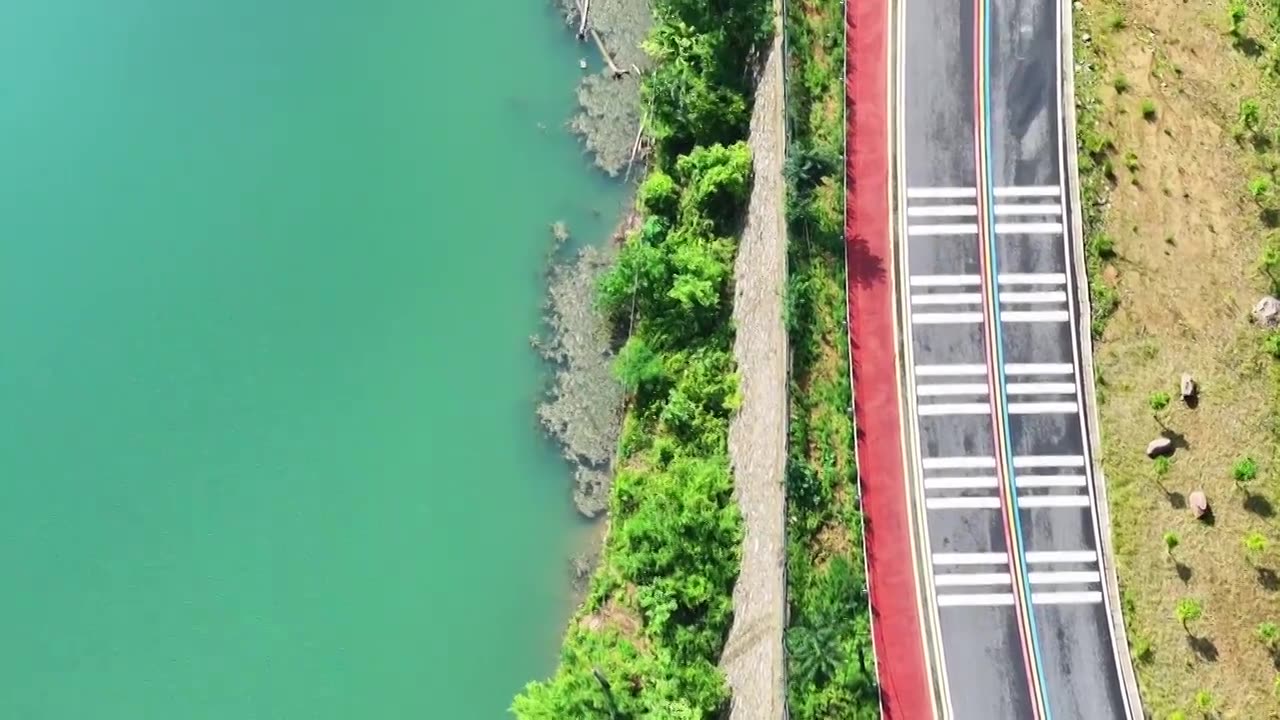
x,y
1244,470
1260,187
1148,109
1158,401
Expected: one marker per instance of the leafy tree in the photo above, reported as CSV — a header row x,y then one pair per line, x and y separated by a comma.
x,y
717,179
659,195
640,274
1188,611
687,106
1170,542
813,653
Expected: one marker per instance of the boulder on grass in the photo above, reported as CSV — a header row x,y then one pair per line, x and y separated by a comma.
x,y
1160,446
1189,388
1267,312
1199,503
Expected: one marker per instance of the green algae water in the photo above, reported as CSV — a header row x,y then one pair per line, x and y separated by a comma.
x,y
267,276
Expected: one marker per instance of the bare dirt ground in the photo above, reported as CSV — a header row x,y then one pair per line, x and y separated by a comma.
x,y
1187,240
753,657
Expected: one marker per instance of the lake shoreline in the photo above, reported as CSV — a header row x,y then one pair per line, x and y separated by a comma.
x,y
582,412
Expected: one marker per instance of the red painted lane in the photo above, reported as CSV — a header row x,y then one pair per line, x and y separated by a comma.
x,y
900,662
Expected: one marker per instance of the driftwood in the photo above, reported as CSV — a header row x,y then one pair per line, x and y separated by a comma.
x,y
635,146
583,10
613,67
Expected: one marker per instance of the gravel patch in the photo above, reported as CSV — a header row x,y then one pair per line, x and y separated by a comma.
x,y
753,657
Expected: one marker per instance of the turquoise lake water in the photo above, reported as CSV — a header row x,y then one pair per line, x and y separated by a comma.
x,y
267,276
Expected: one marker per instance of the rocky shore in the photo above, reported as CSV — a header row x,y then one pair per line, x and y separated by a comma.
x,y
610,107
583,408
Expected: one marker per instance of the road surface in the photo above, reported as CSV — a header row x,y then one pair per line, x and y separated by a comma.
x,y
1013,582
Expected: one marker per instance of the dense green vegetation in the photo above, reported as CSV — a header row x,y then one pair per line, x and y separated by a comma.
x,y
831,670
646,642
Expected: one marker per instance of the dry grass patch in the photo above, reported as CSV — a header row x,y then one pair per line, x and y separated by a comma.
x,y
1187,238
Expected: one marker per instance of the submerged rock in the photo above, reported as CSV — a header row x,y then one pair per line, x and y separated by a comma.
x,y
583,409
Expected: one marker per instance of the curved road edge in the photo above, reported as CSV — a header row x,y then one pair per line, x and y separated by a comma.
x,y
1085,320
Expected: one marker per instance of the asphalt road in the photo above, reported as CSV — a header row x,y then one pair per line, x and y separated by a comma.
x,y
1017,599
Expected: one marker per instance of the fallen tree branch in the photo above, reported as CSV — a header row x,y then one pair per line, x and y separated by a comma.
x,y
613,68
635,146
583,10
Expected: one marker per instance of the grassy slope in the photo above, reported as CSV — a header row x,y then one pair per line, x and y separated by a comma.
x,y
1174,240
830,668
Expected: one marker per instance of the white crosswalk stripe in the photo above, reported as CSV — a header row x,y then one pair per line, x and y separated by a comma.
x,y
943,229
1027,191
941,192
937,389
956,318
